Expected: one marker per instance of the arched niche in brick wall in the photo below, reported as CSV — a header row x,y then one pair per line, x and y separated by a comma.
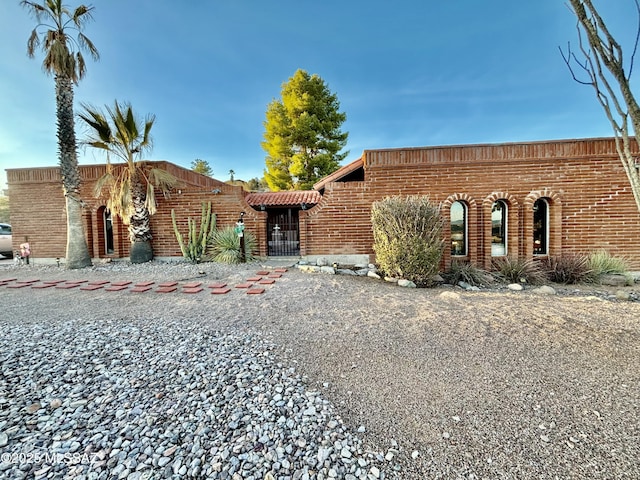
x,y
473,246
554,228
512,244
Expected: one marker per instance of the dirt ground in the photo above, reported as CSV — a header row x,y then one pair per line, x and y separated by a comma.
x,y
446,383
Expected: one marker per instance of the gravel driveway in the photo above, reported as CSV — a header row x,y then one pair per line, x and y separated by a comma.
x,y
319,377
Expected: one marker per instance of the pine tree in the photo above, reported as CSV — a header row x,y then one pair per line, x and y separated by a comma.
x,y
302,134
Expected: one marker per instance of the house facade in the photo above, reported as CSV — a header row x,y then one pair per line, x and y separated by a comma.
x,y
527,200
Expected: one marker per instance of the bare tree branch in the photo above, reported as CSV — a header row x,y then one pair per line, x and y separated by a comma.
x,y
603,62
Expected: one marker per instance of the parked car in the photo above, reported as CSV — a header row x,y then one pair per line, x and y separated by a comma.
x,y
6,247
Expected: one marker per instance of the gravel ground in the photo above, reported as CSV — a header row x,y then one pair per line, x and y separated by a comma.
x,y
320,377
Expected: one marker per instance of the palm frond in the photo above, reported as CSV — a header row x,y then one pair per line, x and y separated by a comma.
x,y
162,179
150,200
105,181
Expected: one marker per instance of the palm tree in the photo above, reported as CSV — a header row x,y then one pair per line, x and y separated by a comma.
x,y
63,59
129,187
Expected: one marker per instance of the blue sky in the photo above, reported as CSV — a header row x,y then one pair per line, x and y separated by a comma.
x,y
406,73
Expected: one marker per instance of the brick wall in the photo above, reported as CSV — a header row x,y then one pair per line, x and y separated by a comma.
x,y
38,211
591,205
590,202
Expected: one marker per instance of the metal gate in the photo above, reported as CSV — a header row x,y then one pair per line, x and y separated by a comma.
x,y
283,232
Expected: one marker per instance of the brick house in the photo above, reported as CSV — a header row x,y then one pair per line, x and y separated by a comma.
x,y
528,200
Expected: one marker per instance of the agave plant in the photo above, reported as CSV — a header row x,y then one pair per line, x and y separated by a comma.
x,y
225,246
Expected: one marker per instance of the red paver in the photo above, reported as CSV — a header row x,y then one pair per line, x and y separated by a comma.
x,y
280,270
267,281
77,282
144,284
275,275
244,285
263,272
18,285
166,289
217,285
191,289
255,291
6,280
98,282
141,288
220,291
117,288
53,282
120,284
92,287
43,285
67,286
30,281
167,284
192,285
254,279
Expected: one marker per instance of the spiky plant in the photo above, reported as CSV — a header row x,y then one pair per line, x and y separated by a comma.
x,y
519,270
198,239
225,246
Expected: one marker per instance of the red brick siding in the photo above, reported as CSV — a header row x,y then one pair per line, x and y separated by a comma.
x,y
590,202
38,212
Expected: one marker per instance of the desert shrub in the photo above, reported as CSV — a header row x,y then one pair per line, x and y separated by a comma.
x,y
467,272
568,268
225,246
407,236
519,270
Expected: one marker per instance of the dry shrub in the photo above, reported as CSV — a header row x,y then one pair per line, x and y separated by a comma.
x,y
407,234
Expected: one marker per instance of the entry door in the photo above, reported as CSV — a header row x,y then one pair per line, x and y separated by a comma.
x,y
283,232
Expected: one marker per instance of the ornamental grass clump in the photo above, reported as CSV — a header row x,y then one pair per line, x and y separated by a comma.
x,y
519,270
407,236
225,246
602,263
569,268
461,271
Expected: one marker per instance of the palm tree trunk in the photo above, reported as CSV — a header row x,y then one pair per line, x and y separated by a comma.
x,y
77,254
139,223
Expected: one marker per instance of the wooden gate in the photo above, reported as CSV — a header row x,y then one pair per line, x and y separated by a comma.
x,y
283,232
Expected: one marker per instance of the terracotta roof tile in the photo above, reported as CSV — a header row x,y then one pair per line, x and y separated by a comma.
x,y
282,199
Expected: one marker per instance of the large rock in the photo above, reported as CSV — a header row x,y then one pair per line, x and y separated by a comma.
x,y
328,269
544,290
406,283
613,280
309,268
447,295
516,287
622,295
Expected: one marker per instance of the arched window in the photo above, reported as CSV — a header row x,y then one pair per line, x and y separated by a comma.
x,y
499,229
541,227
108,231
458,213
